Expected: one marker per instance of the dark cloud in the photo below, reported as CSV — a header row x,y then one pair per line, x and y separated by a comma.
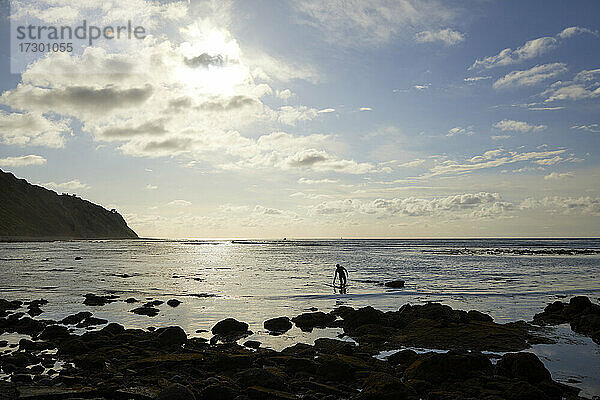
x,y
234,103
149,128
173,144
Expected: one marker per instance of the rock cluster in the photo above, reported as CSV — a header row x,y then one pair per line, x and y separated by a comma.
x,y
579,312
114,362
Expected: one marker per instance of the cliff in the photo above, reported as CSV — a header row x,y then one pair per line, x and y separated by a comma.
x,y
30,212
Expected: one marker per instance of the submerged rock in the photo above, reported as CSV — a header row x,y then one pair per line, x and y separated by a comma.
x,y
173,302
92,299
149,311
395,284
76,318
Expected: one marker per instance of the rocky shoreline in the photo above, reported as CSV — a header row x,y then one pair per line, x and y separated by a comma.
x,y
164,363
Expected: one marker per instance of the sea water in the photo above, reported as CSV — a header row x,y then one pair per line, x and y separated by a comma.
x,y
510,279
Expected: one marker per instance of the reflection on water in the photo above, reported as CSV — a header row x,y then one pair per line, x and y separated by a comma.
x,y
255,281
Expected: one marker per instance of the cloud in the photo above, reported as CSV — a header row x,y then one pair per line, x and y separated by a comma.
x,y
289,115
326,110
310,196
460,131
412,164
306,181
33,129
266,210
530,77
549,161
531,49
22,161
589,128
284,94
448,36
179,203
473,79
365,109
575,30
517,126
584,205
585,85
559,175
151,187
66,186
489,159
482,204
501,137
423,86
365,23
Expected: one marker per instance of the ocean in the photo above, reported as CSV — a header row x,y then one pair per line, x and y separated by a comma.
x,y
254,280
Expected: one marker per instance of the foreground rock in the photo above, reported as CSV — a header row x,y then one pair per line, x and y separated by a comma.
x,y
580,313
278,326
119,363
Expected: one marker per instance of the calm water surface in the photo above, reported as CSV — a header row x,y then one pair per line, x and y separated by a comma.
x,y
255,280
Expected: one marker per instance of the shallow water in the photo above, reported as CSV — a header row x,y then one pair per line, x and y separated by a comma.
x,y
256,280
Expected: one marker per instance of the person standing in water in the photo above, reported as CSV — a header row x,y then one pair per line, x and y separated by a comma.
x,y
342,272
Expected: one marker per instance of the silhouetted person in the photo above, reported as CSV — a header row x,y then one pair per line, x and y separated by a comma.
x,y
342,272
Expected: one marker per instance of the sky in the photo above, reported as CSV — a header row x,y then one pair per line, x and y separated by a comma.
x,y
306,118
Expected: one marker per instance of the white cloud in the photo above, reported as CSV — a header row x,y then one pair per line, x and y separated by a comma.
x,y
33,129
412,164
327,110
549,161
559,175
589,127
585,85
501,137
22,161
306,181
517,126
371,22
531,49
179,203
66,186
310,196
457,130
284,94
575,30
489,159
423,86
530,77
448,36
365,109
584,205
473,79
151,187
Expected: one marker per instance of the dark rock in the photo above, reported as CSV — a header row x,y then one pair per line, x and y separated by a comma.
x,y
580,312
78,258
95,300
437,368
363,316
219,391
176,392
153,303
76,318
253,344
524,366
131,300
475,315
34,311
395,284
403,357
229,327
113,329
21,378
173,302
72,347
278,325
172,336
53,332
262,393
333,346
385,387
260,377
91,321
308,321
149,311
